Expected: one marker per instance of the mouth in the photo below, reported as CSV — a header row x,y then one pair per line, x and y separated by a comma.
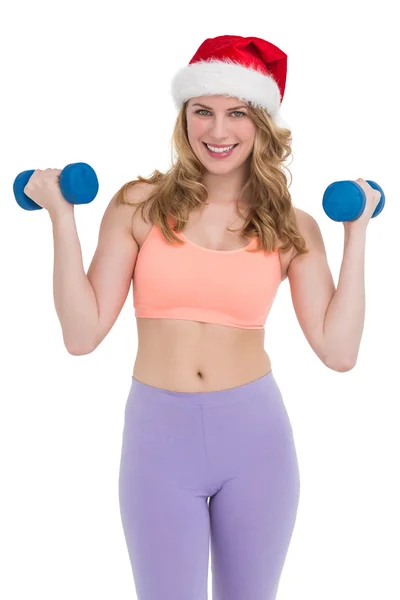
x,y
220,154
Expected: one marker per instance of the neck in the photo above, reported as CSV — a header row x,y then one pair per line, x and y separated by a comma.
x,y
224,189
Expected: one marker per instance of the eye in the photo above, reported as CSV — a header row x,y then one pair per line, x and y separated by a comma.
x,y
203,110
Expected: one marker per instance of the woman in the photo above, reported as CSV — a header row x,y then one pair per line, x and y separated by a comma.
x,y
208,450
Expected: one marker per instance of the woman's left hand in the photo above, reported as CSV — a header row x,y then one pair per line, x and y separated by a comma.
x,y
372,199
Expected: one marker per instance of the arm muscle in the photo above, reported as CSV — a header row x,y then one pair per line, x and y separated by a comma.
x,y
311,283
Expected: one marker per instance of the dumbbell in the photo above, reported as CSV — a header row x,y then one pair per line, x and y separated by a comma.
x,y
345,200
78,184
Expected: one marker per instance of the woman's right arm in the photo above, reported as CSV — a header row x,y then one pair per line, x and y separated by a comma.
x,y
88,305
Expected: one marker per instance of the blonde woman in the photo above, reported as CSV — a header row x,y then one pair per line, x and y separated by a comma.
x,y
208,453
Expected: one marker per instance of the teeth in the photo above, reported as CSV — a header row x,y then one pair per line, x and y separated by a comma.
x,y
213,149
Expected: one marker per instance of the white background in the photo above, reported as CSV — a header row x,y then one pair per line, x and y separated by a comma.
x,y
89,81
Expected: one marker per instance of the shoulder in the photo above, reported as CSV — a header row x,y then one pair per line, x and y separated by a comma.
x,y
308,227
138,193
311,232
132,194
124,214
304,222
304,219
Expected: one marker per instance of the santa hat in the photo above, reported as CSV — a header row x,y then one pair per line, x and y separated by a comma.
x,y
247,68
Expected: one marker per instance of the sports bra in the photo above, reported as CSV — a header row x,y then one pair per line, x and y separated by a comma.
x,y
226,287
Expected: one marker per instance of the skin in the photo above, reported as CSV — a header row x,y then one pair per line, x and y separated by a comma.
x,y
223,127
192,356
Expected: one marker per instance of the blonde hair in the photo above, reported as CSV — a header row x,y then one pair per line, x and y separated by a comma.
x,y
179,191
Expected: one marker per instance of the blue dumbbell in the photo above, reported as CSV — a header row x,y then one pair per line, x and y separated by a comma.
x,y
345,200
78,184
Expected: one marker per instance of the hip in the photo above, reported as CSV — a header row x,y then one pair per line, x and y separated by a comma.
x,y
200,440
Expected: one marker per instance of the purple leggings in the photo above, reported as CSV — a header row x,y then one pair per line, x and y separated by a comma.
x,y
203,467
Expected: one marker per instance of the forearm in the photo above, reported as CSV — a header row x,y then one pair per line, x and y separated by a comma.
x,y
74,297
344,319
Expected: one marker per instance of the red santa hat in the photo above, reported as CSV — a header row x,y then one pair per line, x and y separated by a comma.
x,y
247,68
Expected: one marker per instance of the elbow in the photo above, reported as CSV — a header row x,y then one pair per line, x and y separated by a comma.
x,y
340,365
79,350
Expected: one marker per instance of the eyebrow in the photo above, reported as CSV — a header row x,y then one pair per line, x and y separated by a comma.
x,y
228,109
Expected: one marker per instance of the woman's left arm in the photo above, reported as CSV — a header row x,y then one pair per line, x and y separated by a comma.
x,y
332,319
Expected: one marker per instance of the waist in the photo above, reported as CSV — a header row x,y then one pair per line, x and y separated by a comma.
x,y
189,356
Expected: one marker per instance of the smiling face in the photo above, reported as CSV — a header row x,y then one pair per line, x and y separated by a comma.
x,y
220,121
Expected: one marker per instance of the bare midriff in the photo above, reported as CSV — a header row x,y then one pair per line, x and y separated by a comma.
x,y
191,356
188,356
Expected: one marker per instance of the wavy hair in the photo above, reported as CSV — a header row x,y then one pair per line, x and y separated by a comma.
x,y
179,191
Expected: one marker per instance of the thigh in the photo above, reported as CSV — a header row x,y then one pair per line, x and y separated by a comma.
x,y
253,513
167,536
163,506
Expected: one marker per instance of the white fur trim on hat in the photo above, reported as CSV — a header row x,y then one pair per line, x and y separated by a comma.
x,y
227,78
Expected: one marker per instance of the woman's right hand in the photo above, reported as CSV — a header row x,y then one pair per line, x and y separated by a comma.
x,y
43,188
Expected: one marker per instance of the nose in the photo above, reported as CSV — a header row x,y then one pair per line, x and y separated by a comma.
x,y
219,129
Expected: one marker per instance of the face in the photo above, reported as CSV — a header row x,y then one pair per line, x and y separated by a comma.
x,y
225,122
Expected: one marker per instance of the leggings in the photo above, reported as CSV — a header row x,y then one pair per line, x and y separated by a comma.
x,y
208,470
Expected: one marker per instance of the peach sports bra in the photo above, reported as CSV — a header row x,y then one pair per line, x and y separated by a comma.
x,y
226,287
